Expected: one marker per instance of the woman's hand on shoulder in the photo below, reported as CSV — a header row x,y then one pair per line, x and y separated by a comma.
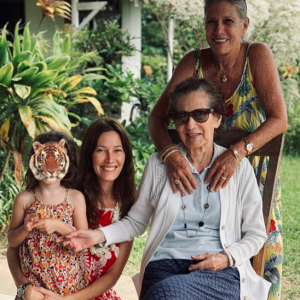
x,y
210,261
180,174
221,171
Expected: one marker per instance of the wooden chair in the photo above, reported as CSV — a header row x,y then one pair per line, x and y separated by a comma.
x,y
273,150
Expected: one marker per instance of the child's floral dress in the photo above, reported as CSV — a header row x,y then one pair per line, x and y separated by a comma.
x,y
48,264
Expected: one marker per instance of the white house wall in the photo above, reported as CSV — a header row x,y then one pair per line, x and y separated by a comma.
x,y
131,21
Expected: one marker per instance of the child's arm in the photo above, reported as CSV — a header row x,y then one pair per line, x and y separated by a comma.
x,y
79,214
48,226
18,231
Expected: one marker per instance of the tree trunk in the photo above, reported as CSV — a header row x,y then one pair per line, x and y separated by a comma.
x,y
8,152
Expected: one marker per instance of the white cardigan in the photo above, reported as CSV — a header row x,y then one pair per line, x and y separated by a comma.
x,y
242,229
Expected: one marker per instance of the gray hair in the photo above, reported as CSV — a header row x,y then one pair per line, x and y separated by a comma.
x,y
192,84
240,5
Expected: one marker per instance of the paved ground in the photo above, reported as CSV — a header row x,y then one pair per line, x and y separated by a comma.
x,y
124,287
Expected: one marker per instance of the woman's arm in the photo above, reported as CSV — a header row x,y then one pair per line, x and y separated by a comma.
x,y
158,122
15,269
268,87
134,224
102,284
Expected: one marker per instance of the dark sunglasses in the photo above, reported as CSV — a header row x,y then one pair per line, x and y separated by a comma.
x,y
182,117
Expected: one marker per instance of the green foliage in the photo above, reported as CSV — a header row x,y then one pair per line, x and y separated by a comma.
x,y
8,192
141,144
34,86
147,92
289,173
109,41
290,83
154,44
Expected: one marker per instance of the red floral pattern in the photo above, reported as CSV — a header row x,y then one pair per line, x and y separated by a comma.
x,y
272,226
97,265
48,264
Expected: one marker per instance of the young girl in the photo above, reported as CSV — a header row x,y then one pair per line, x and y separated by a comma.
x,y
47,209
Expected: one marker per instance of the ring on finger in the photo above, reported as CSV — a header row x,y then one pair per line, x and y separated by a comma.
x,y
177,181
224,178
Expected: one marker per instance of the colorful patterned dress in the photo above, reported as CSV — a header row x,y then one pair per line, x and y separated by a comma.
x,y
245,112
99,260
48,264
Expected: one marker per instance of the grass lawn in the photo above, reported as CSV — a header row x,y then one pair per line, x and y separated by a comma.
x,y
290,176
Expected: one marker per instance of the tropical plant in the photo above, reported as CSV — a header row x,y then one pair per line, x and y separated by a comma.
x,y
50,8
8,192
147,92
111,43
38,92
108,40
290,82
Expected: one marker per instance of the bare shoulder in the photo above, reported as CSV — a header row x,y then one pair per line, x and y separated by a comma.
x,y
185,67
260,54
24,198
75,197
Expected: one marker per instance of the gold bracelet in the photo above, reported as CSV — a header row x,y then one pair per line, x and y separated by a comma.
x,y
166,150
168,154
236,154
163,152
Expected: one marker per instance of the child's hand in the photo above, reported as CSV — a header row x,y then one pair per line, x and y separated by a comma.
x,y
29,222
47,226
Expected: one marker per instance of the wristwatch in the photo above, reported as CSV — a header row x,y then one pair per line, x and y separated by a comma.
x,y
249,147
21,290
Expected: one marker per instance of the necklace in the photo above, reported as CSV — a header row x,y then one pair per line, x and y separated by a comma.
x,y
223,78
201,223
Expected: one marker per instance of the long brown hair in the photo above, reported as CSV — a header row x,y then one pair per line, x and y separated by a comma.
x,y
124,189
54,137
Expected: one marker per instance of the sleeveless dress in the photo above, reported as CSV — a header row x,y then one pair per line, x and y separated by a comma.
x,y
99,260
245,112
48,264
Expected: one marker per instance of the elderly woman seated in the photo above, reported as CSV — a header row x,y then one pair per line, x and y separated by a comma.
x,y
200,244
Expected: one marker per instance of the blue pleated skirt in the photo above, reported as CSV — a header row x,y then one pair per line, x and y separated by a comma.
x,y
170,279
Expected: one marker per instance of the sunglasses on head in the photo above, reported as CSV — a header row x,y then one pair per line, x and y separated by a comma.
x,y
182,117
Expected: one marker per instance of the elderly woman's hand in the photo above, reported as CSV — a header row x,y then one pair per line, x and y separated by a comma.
x,y
82,239
180,174
221,171
210,261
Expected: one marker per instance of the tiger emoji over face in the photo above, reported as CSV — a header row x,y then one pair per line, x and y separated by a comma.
x,y
49,161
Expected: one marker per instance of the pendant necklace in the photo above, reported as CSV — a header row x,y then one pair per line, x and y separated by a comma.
x,y
223,78
201,223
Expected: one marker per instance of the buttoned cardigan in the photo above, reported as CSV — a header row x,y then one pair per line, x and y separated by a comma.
x,y
242,229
